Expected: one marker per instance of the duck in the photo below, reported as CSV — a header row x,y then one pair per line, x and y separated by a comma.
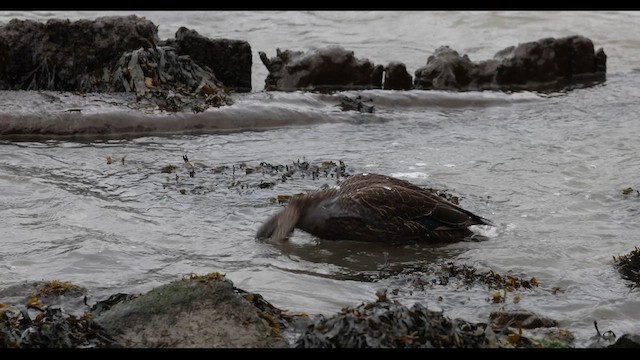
x,y
373,208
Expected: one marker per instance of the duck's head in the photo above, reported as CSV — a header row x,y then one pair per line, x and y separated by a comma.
x,y
279,226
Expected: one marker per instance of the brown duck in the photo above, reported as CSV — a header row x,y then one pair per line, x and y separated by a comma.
x,y
373,207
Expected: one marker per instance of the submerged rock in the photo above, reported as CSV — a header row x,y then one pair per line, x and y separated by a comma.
x,y
230,60
546,64
197,311
327,69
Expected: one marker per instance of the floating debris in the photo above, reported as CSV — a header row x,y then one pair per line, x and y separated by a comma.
x,y
629,266
283,198
109,160
356,104
169,169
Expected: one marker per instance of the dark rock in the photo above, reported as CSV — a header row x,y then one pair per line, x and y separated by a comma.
x,y
627,341
230,60
197,311
546,64
445,70
327,69
396,77
109,54
65,56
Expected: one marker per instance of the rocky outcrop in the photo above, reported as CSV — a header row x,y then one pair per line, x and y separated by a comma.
x,y
396,77
108,54
546,64
197,311
389,324
327,69
230,60
67,56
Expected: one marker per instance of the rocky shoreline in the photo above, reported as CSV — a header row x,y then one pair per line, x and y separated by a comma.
x,y
208,311
193,73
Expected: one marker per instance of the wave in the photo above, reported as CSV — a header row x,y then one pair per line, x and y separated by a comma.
x,y
44,114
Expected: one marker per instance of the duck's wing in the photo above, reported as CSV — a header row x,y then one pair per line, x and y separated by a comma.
x,y
357,181
412,205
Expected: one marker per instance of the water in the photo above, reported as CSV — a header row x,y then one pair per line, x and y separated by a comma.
x,y
548,170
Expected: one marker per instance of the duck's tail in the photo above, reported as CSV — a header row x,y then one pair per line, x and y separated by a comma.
x,y
281,225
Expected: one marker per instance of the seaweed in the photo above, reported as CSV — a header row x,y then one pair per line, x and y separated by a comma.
x,y
629,266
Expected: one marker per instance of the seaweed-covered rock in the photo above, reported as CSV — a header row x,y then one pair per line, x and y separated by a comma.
x,y
170,81
386,324
63,55
49,314
327,69
108,54
546,64
230,60
629,266
197,311
396,77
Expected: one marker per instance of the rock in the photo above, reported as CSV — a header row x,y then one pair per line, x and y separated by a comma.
x,y
627,341
230,60
546,64
66,56
327,69
386,324
197,311
445,70
108,54
48,314
396,77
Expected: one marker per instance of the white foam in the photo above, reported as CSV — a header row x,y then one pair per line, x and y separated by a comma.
x,y
411,175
